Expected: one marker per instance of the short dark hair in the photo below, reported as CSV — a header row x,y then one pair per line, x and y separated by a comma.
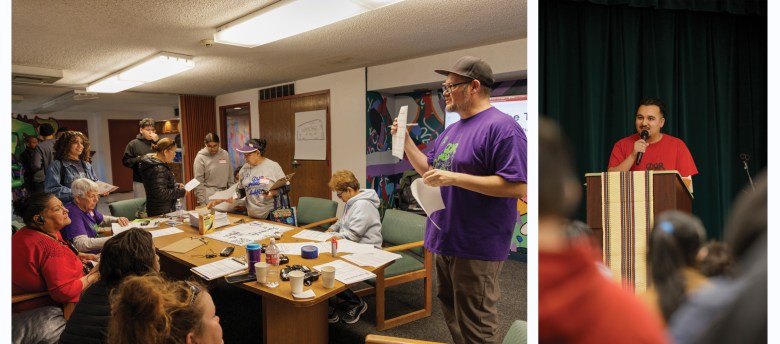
x,y
30,206
146,122
211,137
128,253
654,101
259,144
46,129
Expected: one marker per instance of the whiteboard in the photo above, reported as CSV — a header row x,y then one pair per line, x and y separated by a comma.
x,y
310,130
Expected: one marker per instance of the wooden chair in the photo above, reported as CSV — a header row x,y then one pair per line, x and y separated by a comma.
x,y
127,208
316,213
403,233
67,307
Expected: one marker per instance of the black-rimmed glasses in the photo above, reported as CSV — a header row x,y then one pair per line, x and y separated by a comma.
x,y
451,87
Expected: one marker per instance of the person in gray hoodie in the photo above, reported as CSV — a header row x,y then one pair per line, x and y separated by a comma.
x,y
359,223
212,169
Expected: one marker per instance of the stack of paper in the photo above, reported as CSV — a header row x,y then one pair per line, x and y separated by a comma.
x,y
219,268
309,234
347,273
375,258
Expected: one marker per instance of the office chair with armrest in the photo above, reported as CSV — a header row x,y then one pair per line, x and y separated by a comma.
x,y
316,213
67,307
403,233
128,208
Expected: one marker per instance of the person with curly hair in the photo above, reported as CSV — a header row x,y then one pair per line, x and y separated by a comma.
x,y
153,310
71,162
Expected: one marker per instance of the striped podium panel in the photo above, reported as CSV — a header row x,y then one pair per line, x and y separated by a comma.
x,y
627,217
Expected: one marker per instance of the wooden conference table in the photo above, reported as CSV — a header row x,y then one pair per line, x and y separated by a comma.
x,y
294,321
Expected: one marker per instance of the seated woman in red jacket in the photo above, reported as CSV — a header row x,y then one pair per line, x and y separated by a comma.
x,y
42,261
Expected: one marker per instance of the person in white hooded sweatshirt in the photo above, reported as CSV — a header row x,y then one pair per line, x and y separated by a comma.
x,y
359,223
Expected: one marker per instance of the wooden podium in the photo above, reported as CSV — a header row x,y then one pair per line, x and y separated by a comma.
x,y
669,192
621,207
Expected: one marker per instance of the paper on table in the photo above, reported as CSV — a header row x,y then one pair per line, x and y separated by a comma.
x,y
304,295
349,246
219,268
224,194
309,234
191,184
347,273
294,248
375,258
165,231
104,187
116,228
400,134
428,197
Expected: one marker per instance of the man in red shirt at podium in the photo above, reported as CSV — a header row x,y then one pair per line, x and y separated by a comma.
x,y
649,149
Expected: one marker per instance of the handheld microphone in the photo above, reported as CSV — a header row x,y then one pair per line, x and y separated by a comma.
x,y
644,135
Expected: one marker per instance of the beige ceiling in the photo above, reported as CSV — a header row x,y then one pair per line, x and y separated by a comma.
x,y
89,40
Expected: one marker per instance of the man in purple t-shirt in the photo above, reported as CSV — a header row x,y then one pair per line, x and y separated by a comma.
x,y
480,164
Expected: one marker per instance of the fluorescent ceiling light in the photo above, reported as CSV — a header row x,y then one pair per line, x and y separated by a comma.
x,y
155,68
288,18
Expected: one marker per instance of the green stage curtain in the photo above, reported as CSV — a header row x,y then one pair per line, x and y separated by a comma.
x,y
597,61
730,6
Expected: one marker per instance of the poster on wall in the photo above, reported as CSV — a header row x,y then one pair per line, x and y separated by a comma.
x,y
515,106
310,135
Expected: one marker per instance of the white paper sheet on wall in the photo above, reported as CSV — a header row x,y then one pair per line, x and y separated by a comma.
x,y
310,130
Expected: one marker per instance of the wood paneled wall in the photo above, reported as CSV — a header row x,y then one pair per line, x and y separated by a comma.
x,y
198,118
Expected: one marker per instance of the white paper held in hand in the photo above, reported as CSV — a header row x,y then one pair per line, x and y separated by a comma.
x,y
104,187
428,197
400,134
191,184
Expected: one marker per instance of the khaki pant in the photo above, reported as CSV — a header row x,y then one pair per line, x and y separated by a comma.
x,y
469,291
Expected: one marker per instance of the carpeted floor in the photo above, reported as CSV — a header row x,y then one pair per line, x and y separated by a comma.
x,y
241,318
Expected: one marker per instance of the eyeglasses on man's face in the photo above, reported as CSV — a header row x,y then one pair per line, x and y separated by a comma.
x,y
449,88
150,129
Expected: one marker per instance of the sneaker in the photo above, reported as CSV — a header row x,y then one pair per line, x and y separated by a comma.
x,y
333,317
354,312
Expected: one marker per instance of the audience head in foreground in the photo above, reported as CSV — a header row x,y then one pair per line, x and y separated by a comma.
x,y
152,309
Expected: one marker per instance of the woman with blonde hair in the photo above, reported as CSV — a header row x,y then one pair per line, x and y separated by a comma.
x,y
150,309
160,184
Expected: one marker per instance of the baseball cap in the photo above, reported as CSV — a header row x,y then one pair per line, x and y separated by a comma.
x,y
471,67
251,146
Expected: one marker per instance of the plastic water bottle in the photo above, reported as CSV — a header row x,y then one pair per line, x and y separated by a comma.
x,y
178,210
272,258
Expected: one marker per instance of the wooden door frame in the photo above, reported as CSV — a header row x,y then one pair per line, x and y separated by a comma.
x,y
223,122
328,156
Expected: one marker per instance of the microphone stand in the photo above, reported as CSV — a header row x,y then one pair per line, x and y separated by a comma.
x,y
745,158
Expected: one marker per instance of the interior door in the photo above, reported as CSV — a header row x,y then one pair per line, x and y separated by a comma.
x,y
120,133
277,125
